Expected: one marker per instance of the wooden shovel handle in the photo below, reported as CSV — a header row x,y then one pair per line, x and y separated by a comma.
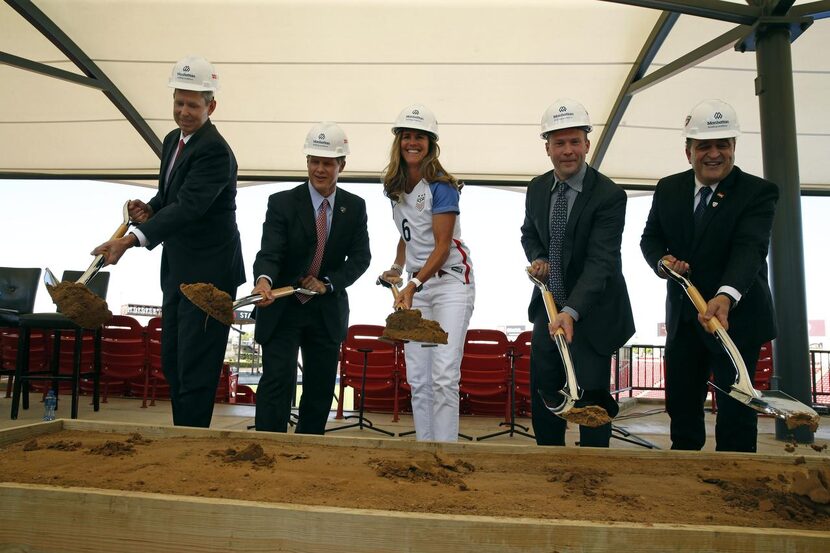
x,y
550,307
120,231
701,306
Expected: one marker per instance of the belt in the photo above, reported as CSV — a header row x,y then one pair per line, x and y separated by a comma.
x,y
440,273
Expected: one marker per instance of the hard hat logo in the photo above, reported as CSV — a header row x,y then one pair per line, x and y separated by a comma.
x,y
321,136
718,115
186,69
415,112
562,109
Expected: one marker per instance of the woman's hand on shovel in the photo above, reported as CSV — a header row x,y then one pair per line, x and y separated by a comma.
x,y
112,250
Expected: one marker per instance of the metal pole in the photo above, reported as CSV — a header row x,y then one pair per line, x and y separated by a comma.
x,y
774,88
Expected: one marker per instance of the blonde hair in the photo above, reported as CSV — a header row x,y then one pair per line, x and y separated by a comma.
x,y
394,174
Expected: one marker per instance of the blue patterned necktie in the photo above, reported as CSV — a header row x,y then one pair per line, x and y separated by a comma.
x,y
558,221
705,192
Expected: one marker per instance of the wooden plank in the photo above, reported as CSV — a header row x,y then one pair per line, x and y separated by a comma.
x,y
83,520
29,431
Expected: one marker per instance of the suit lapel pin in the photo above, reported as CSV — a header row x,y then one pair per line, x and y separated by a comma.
x,y
342,209
714,204
719,195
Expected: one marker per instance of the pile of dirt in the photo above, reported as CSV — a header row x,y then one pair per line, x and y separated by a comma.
x,y
408,324
253,453
592,416
79,304
211,300
430,469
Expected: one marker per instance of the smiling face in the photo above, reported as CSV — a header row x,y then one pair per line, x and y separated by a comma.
x,y
323,173
712,160
414,146
190,110
567,149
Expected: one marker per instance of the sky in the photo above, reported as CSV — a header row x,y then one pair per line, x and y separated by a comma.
x,y
56,224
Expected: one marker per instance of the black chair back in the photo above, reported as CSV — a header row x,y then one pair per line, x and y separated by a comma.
x,y
18,288
98,285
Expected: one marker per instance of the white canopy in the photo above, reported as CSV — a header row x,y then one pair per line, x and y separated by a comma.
x,y
487,68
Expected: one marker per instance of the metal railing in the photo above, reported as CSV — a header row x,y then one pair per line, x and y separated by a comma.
x,y
639,368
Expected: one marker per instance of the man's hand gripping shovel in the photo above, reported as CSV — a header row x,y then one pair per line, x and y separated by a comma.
x,y
770,402
571,395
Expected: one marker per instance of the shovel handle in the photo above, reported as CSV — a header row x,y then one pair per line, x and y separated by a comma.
x,y
700,304
120,231
282,292
550,307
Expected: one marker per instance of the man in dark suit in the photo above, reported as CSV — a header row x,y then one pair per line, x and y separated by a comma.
x,y
194,215
712,223
574,218
314,236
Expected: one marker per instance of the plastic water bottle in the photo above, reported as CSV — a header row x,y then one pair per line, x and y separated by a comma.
x,y
49,405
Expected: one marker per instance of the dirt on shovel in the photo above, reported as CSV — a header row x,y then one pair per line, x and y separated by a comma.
x,y
408,324
591,416
79,304
802,419
211,300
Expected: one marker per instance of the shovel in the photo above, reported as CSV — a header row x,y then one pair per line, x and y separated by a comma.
x,y
217,303
276,293
770,402
436,334
393,287
98,262
572,394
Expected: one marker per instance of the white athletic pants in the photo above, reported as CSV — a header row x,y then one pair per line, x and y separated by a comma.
x,y
434,372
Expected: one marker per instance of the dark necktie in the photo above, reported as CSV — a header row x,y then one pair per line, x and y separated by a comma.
x,y
705,192
558,221
317,260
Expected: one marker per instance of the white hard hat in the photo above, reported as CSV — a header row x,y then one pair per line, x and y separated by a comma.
x,y
565,114
194,73
712,119
326,139
416,117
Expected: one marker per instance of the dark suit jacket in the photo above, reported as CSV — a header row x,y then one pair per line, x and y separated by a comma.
x,y
729,248
289,240
194,214
591,255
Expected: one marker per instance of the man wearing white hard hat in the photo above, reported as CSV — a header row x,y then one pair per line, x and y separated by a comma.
x,y
572,232
193,215
315,236
713,221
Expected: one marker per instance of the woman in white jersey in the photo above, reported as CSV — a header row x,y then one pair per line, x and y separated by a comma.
x,y
425,209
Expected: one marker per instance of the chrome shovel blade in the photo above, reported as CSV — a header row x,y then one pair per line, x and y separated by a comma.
x,y
49,278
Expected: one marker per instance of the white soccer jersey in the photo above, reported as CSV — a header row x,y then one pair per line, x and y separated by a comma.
x,y
413,218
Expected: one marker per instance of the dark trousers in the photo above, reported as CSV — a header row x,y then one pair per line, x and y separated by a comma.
x,y
691,356
593,371
192,351
301,327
